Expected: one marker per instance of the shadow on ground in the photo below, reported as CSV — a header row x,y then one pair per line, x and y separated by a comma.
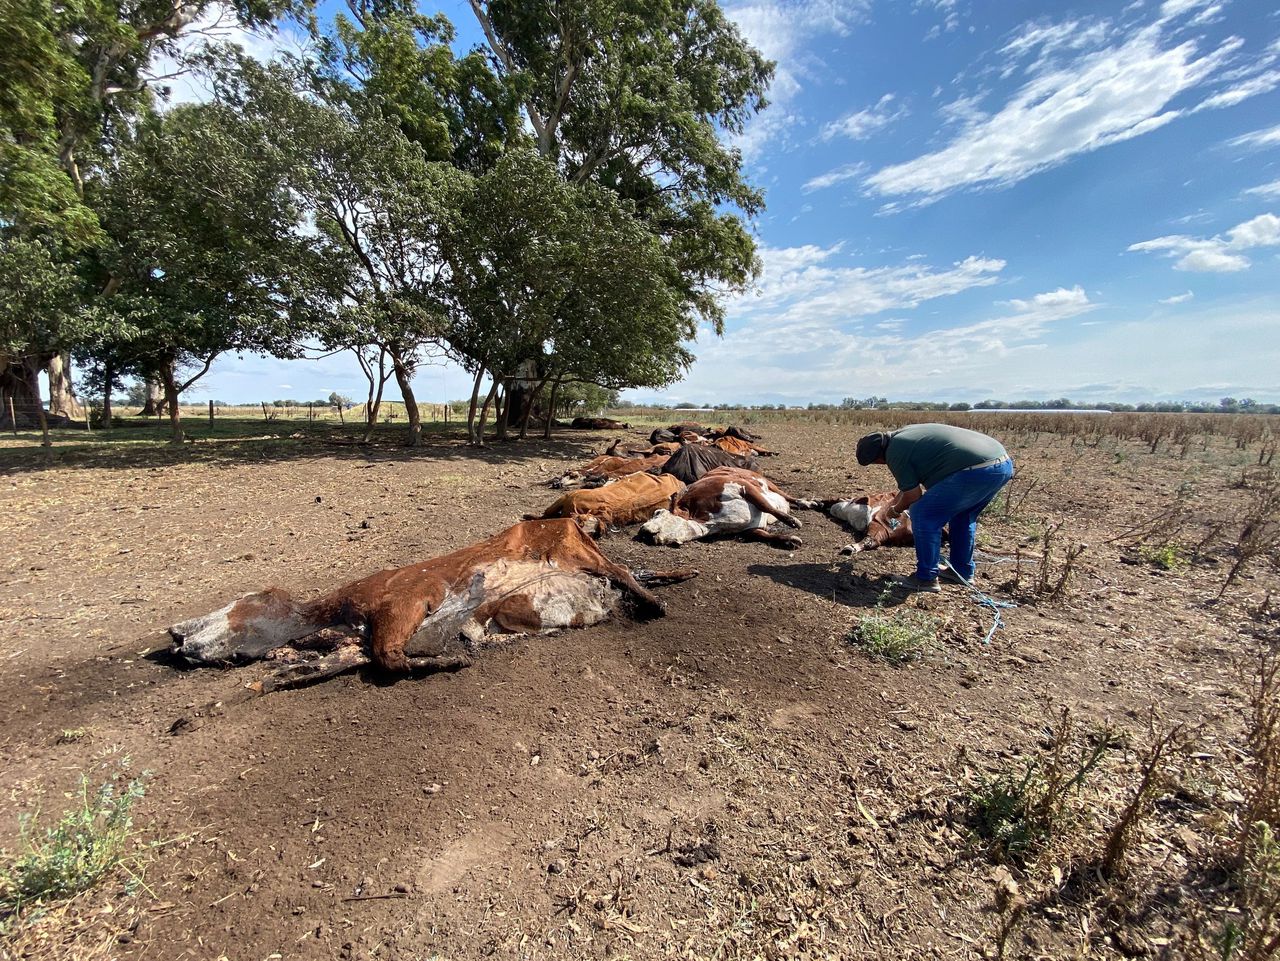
x,y
834,584
234,441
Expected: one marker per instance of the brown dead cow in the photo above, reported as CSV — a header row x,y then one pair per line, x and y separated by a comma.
x,y
601,470
631,500
535,577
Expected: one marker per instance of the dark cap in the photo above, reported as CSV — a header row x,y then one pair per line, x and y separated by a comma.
x,y
872,447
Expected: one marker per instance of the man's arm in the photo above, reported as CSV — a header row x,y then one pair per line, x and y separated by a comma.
x,y
904,500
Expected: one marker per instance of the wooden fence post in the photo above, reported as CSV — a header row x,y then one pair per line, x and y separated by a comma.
x,y
264,411
341,417
210,413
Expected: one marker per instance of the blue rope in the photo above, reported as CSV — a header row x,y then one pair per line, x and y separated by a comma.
x,y
986,601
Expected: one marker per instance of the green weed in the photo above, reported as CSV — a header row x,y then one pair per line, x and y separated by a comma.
x,y
86,844
1167,557
897,638
1017,811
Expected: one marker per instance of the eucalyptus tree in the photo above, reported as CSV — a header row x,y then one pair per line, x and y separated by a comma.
x,y
634,97
73,76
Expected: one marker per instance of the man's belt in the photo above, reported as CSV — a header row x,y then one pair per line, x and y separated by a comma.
x,y
985,463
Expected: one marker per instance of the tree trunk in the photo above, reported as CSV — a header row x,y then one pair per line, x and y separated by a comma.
x,y
109,382
170,383
528,411
478,438
474,405
62,401
551,408
501,411
151,407
20,404
403,376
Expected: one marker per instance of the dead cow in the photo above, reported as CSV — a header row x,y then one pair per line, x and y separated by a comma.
x,y
727,500
735,445
627,501
535,577
601,470
866,515
694,460
597,423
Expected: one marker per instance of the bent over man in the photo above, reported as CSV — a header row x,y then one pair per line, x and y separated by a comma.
x,y
946,476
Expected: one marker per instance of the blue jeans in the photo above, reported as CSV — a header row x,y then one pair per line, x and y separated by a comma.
x,y
957,501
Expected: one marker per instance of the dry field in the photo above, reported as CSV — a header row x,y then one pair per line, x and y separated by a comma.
x,y
743,778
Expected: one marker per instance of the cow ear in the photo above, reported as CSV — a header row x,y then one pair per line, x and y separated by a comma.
x,y
863,500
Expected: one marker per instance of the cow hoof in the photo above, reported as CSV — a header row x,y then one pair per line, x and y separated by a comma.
x,y
849,550
793,542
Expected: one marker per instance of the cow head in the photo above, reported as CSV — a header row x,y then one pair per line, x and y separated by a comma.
x,y
671,529
244,630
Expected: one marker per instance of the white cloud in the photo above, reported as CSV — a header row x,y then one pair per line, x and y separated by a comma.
x,y
1258,138
803,293
1262,83
1178,298
781,30
1219,254
1269,191
1180,349
1097,99
832,177
863,123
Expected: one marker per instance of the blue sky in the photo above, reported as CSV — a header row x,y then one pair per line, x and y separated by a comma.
x,y
967,201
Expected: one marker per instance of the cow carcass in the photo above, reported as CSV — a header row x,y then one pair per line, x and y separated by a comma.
x,y
866,515
692,461
597,423
603,469
727,500
630,500
533,578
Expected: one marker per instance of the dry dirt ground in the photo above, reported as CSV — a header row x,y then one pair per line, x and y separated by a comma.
x,y
736,779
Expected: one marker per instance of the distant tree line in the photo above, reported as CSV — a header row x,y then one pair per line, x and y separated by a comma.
x,y
1227,405
551,211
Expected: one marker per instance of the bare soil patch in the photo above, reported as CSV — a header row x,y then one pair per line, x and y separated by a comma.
x,y
733,780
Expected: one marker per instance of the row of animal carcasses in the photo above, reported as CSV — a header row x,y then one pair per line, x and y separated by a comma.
x,y
707,482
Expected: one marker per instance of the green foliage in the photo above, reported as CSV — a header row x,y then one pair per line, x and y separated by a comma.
x,y
1016,811
898,638
1167,557
73,855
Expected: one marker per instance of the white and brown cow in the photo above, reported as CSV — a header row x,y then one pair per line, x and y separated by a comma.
x,y
866,515
630,500
727,500
535,577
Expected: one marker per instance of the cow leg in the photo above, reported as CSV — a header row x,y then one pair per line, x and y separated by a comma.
x,y
665,578
390,629
648,604
810,505
753,495
344,659
769,537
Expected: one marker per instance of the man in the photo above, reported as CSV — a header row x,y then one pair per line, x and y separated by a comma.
x,y
946,475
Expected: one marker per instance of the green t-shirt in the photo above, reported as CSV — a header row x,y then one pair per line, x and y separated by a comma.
x,y
926,453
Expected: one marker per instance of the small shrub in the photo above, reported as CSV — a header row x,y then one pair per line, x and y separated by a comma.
x,y
1167,557
72,856
1017,811
897,638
